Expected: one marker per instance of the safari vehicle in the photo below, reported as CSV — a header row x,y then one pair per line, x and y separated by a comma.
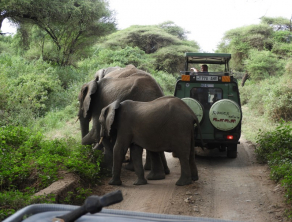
x,y
214,98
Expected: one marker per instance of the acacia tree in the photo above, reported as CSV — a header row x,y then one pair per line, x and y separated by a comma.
x,y
71,25
165,43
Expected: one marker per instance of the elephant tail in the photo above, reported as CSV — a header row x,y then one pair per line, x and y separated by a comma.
x,y
196,121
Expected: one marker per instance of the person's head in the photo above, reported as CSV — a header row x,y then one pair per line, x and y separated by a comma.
x,y
204,68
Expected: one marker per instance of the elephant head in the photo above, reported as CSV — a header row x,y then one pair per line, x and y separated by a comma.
x,y
85,113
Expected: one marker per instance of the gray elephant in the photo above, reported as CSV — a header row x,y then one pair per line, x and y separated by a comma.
x,y
118,72
165,124
95,95
103,72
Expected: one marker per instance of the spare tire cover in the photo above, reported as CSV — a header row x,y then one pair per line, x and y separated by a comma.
x,y
195,106
225,114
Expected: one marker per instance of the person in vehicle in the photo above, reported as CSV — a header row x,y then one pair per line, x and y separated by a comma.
x,y
204,68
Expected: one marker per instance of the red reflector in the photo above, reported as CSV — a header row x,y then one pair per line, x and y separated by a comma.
x,y
230,137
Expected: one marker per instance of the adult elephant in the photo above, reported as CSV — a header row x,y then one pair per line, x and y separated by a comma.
x,y
165,124
103,72
95,95
117,72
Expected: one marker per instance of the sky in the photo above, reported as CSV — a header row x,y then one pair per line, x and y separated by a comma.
x,y
206,20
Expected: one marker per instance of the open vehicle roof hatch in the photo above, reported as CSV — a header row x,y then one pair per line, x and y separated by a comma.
x,y
208,58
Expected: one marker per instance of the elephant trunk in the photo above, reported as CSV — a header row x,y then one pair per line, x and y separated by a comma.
x,y
84,125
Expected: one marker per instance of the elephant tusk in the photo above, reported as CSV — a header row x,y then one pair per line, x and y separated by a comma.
x,y
77,119
100,140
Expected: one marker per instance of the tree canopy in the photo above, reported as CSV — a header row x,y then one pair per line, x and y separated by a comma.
x,y
165,42
71,25
250,45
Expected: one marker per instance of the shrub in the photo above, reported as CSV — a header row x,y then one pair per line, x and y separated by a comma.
x,y
263,64
27,159
124,56
272,98
275,148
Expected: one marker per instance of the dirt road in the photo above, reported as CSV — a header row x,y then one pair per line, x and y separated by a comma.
x,y
230,189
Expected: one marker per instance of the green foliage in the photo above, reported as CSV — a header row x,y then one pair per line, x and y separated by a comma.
x,y
275,149
77,196
171,59
63,29
166,82
125,56
282,49
278,23
30,89
28,160
13,200
147,38
272,98
241,40
165,44
284,36
171,28
263,64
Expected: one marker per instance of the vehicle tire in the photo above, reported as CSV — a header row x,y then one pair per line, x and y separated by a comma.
x,y
232,151
225,114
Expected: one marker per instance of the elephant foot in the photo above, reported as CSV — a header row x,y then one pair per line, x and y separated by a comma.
x,y
140,182
115,182
183,182
147,165
155,176
195,178
166,171
130,166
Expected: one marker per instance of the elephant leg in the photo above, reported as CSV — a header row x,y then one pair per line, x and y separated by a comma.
x,y
119,153
108,154
164,162
147,165
136,152
193,166
185,176
157,170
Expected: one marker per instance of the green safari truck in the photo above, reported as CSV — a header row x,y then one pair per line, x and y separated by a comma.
x,y
214,97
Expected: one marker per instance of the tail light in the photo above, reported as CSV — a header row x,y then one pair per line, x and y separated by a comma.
x,y
229,137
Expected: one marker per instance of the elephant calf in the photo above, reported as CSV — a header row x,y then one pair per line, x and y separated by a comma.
x,y
164,124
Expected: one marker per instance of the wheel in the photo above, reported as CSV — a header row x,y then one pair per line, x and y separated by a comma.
x,y
232,151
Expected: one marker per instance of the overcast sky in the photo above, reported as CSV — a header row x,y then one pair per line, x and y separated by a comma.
x,y
206,20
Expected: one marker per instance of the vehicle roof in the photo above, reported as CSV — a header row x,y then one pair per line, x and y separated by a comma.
x,y
207,58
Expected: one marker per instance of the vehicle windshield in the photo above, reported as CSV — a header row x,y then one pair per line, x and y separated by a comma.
x,y
206,96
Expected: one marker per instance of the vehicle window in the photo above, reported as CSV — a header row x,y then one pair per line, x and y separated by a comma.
x,y
206,96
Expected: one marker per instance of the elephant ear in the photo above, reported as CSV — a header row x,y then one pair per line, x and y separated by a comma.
x,y
107,117
87,90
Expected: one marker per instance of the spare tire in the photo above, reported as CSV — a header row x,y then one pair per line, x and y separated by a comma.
x,y
225,114
195,106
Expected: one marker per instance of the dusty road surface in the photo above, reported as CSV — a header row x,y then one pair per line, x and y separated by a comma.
x,y
229,189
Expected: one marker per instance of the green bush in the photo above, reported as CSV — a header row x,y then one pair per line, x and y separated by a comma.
x,y
124,56
171,58
30,163
263,64
273,97
275,148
